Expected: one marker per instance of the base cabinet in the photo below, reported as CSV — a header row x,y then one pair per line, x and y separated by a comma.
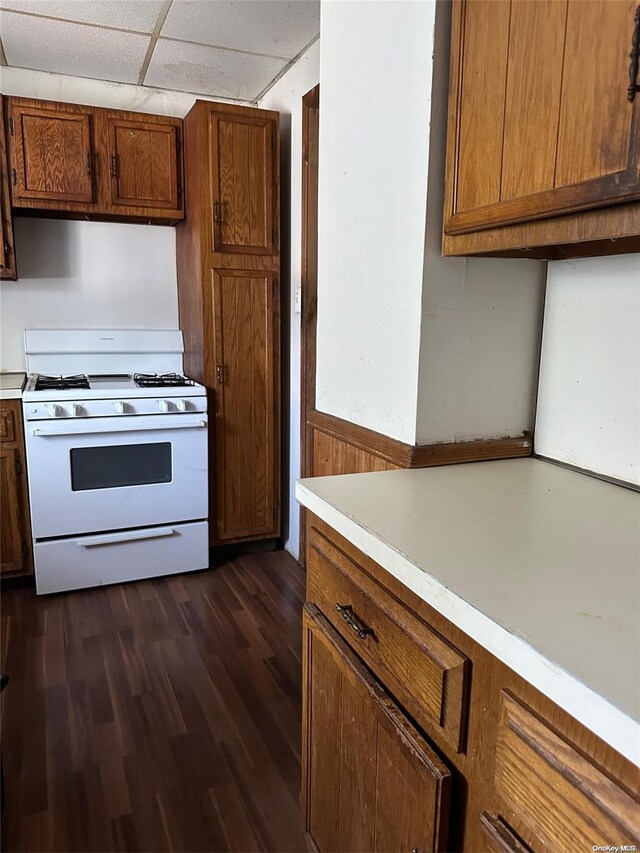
x,y
380,770
15,527
371,782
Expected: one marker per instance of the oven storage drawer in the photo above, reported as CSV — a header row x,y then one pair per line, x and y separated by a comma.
x,y
127,555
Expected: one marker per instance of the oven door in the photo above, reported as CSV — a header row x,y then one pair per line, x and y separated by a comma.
x,y
95,474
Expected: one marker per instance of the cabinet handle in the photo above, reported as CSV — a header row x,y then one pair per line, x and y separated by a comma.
x,y
89,169
500,837
220,373
635,59
361,630
113,169
18,466
14,177
217,213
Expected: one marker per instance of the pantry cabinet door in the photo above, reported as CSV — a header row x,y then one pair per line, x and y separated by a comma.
x,y
52,154
243,374
370,780
540,119
143,163
243,168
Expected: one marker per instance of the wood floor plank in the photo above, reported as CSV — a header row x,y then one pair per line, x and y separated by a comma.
x,y
161,715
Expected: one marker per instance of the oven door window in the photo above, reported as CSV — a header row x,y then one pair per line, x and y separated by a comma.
x,y
112,467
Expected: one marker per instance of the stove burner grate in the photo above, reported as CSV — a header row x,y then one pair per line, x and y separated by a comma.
x,y
163,380
61,383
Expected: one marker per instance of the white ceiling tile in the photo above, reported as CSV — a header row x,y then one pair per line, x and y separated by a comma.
x,y
140,15
274,27
210,71
67,48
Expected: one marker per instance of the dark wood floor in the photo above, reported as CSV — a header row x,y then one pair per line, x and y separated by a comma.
x,y
162,715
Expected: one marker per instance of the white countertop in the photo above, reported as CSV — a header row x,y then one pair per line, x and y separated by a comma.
x,y
11,386
537,563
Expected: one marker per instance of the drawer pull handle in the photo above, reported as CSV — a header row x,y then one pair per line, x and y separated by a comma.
x,y
352,621
499,835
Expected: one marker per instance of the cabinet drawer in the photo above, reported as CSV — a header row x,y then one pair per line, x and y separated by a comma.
x,y
427,675
564,799
7,425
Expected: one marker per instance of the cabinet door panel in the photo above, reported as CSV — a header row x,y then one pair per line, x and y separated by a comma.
x,y
53,154
242,151
245,402
565,138
595,132
143,164
11,538
370,780
533,97
483,83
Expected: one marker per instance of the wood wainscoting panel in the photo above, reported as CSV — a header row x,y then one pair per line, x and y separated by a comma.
x,y
341,447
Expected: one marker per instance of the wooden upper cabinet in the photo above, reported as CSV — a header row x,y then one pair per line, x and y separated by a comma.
x,y
370,781
53,154
244,198
144,162
246,388
102,163
540,123
7,250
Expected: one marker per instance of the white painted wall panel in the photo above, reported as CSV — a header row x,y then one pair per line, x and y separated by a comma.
x,y
375,85
589,394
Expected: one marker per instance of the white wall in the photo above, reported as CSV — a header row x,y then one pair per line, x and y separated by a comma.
x,y
91,274
286,97
589,393
418,347
375,84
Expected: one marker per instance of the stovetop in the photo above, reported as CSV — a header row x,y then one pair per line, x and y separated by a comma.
x,y
81,387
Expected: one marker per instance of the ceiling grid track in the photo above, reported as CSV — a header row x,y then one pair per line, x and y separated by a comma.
x,y
154,40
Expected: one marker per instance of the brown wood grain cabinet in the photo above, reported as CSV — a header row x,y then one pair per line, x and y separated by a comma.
x,y
8,268
382,767
535,132
104,164
370,780
15,526
229,297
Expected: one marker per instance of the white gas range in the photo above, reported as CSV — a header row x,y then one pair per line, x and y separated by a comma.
x,y
116,443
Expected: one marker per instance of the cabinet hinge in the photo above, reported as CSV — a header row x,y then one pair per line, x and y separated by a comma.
x,y
25,550
18,466
14,177
11,126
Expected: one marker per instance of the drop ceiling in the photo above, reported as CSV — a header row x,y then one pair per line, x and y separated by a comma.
x,y
231,49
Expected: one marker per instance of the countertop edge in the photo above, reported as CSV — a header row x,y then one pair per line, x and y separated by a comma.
x,y
591,709
11,394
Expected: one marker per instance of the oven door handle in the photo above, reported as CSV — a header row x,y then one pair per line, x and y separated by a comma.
x,y
127,536
49,433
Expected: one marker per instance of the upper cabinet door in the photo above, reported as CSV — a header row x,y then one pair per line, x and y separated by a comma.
x,y
7,252
144,163
540,123
243,151
370,781
52,154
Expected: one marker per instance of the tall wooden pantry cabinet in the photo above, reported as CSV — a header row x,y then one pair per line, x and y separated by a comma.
x,y
229,297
